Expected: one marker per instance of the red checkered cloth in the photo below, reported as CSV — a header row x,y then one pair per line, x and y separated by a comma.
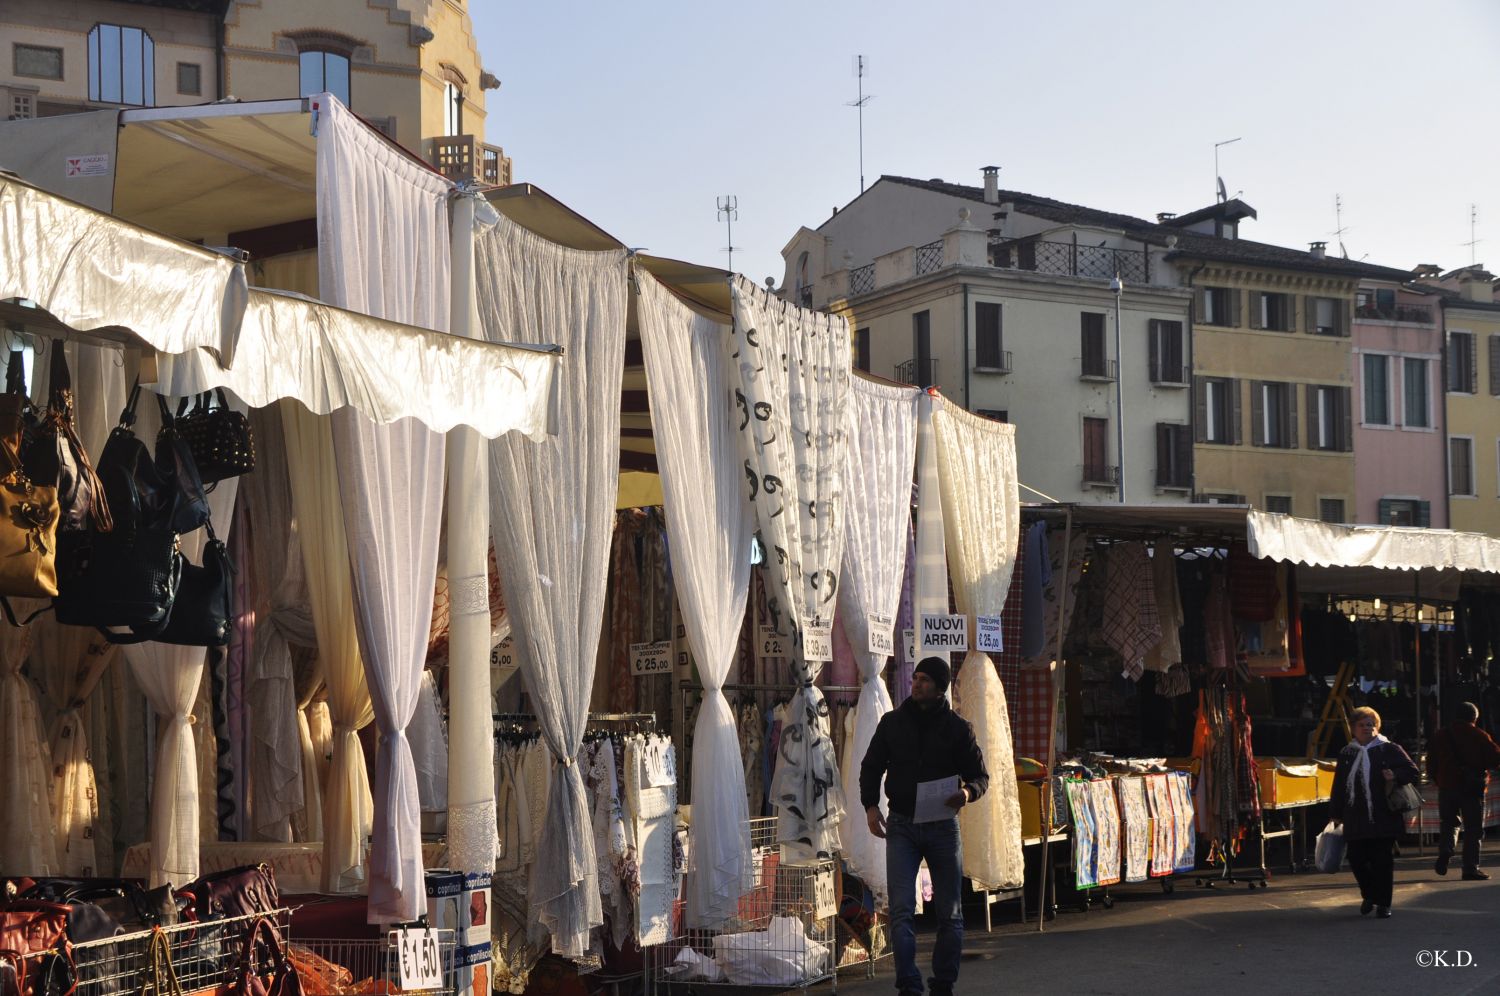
x,y
1008,661
1030,711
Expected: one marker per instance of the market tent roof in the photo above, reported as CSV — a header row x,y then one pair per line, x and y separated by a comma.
x,y
84,271
1389,561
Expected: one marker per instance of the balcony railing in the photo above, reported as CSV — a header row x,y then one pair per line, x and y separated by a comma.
x,y
996,363
1096,369
862,280
1419,314
1102,476
1173,376
922,373
929,257
1069,259
462,157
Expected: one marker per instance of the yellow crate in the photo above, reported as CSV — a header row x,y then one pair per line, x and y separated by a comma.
x,y
1283,788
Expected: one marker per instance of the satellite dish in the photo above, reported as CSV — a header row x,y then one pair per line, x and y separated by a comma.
x,y
1223,194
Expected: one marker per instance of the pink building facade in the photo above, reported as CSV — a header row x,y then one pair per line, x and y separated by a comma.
x,y
1400,477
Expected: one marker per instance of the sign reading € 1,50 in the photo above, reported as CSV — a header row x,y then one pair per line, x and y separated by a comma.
x,y
651,658
419,963
943,633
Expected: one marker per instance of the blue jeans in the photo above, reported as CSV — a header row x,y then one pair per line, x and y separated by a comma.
x,y
906,845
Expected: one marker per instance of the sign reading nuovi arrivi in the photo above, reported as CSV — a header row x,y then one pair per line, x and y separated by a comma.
x,y
943,633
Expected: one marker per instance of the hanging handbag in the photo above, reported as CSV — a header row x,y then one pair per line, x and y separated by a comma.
x,y
236,892
56,456
218,437
1402,797
203,611
28,511
264,968
174,461
36,956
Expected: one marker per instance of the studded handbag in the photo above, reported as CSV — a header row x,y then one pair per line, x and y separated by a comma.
x,y
218,436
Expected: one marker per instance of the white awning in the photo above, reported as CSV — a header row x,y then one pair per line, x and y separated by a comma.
x,y
1320,544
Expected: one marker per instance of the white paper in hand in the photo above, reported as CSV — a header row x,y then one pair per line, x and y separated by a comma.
x,y
932,800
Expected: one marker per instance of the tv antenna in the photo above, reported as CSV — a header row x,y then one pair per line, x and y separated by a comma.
x,y
1218,180
1338,221
1473,223
860,65
729,211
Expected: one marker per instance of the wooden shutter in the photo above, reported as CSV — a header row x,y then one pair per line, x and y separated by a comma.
x,y
1164,451
1450,362
1345,408
1314,416
1424,514
1383,512
1341,317
1309,315
1470,348
1256,304
1200,410
1494,341
1184,462
987,348
1289,415
1200,305
1176,368
1236,297
1257,413
1095,456
1236,430
1153,344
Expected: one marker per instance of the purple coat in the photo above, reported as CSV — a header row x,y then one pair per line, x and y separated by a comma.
x,y
1358,824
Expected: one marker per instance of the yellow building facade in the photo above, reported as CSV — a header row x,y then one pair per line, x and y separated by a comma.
x,y
1472,361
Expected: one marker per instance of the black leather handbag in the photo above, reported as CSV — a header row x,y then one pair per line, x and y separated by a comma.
x,y
174,461
203,611
218,436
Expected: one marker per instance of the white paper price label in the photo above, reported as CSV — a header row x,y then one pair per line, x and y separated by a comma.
x,y
943,633
419,961
503,655
817,641
825,899
770,643
651,658
987,634
909,645
881,641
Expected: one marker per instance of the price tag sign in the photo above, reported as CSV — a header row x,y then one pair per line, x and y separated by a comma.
x,y
943,633
881,636
770,643
419,962
817,641
987,634
909,645
503,656
825,900
651,658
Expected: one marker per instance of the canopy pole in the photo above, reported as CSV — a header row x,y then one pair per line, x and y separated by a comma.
x,y
1417,664
1044,877
471,779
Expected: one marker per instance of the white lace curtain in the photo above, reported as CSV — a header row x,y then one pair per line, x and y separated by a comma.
x,y
981,515
383,250
930,576
27,841
708,526
789,371
877,502
551,516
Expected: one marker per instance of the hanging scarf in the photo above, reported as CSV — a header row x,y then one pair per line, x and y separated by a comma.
x,y
1361,769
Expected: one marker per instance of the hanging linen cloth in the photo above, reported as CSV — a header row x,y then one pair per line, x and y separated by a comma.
x,y
552,509
1168,651
789,373
930,575
708,527
878,467
383,251
27,838
906,620
981,513
1130,625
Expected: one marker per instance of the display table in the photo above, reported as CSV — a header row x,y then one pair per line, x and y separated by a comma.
x,y
298,867
1431,823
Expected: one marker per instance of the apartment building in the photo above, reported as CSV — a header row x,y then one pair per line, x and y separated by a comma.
x,y
1471,327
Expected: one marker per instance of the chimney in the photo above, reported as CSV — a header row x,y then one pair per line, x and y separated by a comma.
x,y
991,184
1318,250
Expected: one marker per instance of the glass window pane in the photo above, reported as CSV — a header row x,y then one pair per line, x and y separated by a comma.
x,y
132,72
1414,381
1377,404
94,66
148,70
311,74
109,63
336,76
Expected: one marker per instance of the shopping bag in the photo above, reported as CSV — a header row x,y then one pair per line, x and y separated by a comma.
x,y
1330,851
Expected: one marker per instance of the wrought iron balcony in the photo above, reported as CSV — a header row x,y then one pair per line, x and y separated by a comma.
x,y
862,280
462,157
1069,259
1101,475
1096,368
922,373
996,363
1174,376
929,257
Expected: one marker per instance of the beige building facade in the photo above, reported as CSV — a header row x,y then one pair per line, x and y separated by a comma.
x,y
1471,322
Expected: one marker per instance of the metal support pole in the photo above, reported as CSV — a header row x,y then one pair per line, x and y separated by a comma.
x,y
1118,286
1044,877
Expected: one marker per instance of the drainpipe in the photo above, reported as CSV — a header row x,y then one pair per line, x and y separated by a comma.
x,y
1443,384
221,69
968,401
1192,385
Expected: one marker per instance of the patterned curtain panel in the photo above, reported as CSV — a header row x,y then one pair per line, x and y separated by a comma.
x,y
789,373
981,516
877,487
26,831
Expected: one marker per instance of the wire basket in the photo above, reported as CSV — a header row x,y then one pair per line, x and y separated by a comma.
x,y
338,967
204,955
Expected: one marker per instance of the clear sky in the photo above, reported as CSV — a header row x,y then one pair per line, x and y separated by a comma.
x,y
640,115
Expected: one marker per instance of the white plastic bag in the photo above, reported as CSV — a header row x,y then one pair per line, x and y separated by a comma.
x,y
690,966
1329,855
782,956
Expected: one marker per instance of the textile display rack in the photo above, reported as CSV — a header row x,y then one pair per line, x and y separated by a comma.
x,y
366,965
783,935
201,955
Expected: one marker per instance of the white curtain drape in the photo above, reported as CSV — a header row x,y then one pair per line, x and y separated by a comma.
x,y
551,517
789,371
930,581
708,527
877,501
383,250
981,515
169,676
27,842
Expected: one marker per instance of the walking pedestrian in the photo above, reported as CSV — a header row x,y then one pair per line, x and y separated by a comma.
x,y
923,740
1368,766
1462,755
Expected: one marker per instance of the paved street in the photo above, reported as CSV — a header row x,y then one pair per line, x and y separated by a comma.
x,y
1303,934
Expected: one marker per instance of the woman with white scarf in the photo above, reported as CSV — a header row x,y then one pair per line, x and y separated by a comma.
x,y
1369,766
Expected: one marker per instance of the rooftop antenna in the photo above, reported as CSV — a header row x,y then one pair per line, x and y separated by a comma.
x,y
1338,220
860,65
729,211
1473,241
1218,180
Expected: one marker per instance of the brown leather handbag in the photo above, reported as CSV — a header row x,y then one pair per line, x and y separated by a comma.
x,y
28,513
264,968
35,954
237,892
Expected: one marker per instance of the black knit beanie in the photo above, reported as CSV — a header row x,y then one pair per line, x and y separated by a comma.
x,y
937,669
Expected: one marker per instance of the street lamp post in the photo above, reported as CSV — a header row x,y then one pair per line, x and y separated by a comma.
x,y
1118,286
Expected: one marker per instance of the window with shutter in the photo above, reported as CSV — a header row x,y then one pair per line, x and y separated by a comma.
x,y
1096,468
1424,514
1461,373
1279,504
1415,408
1494,344
1331,509
1377,389
1092,363
988,347
1220,411
1166,351
1460,465
862,349
1345,396
1174,455
1219,306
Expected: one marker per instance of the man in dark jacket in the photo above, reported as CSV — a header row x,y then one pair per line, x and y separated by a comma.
x,y
923,740
1462,755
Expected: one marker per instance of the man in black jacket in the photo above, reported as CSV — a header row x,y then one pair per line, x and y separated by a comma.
x,y
923,740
